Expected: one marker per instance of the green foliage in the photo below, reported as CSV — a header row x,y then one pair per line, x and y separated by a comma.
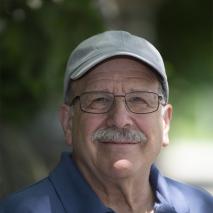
x,y
184,31
36,40
185,36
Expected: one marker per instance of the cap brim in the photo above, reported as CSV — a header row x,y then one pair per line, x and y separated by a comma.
x,y
98,58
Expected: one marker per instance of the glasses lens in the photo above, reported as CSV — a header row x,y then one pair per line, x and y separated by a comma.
x,y
96,102
142,102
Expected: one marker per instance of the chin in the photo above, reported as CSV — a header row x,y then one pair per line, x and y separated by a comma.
x,y
121,168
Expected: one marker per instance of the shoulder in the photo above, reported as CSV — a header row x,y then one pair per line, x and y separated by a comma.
x,y
39,197
196,198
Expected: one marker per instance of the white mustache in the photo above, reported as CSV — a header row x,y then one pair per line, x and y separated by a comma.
x,y
124,135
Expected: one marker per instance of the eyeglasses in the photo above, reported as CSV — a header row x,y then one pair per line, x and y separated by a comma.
x,y
139,102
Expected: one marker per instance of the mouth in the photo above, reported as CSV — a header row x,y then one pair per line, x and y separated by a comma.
x,y
119,143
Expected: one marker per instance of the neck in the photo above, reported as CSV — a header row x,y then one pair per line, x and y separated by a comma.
x,y
127,196
124,195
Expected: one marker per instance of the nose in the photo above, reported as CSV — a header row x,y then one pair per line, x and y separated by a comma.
x,y
119,115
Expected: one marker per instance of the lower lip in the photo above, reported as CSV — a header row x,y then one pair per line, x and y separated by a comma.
x,y
117,143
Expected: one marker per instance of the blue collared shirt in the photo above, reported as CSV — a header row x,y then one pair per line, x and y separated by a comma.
x,y
66,191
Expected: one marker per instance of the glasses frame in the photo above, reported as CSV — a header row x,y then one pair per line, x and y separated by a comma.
x,y
78,97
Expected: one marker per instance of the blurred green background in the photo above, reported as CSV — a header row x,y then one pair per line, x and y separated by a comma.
x,y
36,38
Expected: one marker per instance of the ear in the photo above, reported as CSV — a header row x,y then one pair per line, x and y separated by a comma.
x,y
66,122
167,117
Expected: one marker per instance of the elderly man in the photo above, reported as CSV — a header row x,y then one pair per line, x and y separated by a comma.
x,y
116,118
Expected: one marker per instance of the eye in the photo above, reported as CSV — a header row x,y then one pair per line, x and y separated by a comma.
x,y
137,100
99,102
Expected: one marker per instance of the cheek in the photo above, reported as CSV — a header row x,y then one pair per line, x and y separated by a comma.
x,y
85,125
152,126
83,147
157,135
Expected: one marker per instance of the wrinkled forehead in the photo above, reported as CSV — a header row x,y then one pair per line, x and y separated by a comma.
x,y
126,69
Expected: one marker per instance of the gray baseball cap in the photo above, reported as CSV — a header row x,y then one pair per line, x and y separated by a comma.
x,y
102,46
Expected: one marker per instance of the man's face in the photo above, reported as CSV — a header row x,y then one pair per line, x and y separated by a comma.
x,y
116,160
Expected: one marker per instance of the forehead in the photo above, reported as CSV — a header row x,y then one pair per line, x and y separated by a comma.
x,y
118,70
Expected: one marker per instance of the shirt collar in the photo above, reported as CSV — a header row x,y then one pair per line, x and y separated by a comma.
x,y
77,196
73,190
168,198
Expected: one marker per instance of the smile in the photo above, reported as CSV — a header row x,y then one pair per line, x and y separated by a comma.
x,y
119,143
